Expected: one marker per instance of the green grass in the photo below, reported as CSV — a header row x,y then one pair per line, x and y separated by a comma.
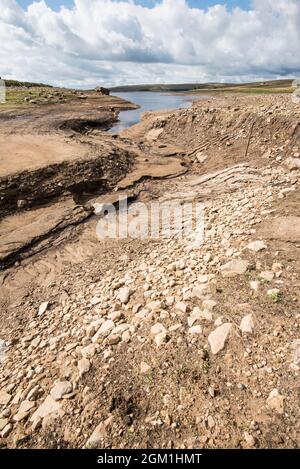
x,y
16,97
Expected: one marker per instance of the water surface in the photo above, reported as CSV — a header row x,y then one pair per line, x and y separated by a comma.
x,y
148,101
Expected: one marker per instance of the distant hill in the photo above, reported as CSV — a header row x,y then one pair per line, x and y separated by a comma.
x,y
263,85
24,84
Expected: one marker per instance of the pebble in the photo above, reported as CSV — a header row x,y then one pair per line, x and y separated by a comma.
x,y
234,268
276,402
218,337
43,308
124,295
83,366
60,389
247,324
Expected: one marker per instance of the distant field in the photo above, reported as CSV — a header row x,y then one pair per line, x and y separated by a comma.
x,y
275,86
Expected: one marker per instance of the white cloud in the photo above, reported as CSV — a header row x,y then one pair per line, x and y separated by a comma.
x,y
110,42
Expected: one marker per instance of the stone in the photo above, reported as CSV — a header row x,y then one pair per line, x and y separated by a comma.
x,y
154,305
95,301
276,402
209,305
60,389
267,276
106,327
124,295
200,291
2,350
48,407
195,330
89,351
247,324
96,439
218,337
23,411
83,366
113,339
160,338
254,285
250,441
182,307
234,268
43,308
5,398
256,246
6,430
157,329
3,423
145,368
293,163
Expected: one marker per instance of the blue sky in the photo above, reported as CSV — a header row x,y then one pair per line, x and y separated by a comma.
x,y
245,4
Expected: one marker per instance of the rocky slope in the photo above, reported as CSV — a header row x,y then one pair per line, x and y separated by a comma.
x,y
167,342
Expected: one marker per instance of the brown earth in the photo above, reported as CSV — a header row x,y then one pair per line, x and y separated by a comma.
x,y
126,335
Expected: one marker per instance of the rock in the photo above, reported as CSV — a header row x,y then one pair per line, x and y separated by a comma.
x,y
98,435
145,368
2,350
106,327
6,430
83,366
276,402
23,411
250,441
256,246
3,423
247,324
234,268
158,329
95,301
209,305
113,339
89,351
60,389
5,398
182,307
48,407
43,308
211,422
195,330
268,276
161,339
254,285
200,291
218,337
124,295
293,163
154,305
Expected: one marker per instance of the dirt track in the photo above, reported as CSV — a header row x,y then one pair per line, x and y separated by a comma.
x,y
127,336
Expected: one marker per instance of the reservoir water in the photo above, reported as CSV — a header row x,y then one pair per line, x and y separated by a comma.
x,y
148,101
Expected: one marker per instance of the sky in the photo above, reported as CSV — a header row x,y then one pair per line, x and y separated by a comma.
x,y
85,43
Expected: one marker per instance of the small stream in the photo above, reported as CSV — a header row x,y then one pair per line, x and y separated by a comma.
x,y
148,101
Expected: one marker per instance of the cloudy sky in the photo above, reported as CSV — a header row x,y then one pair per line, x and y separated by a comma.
x,y
83,43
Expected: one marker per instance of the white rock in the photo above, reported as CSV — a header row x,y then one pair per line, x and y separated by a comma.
x,y
154,305
95,301
6,430
96,439
43,308
3,423
276,402
89,351
209,305
106,327
234,268
218,337
124,294
268,276
195,330
145,368
48,407
256,246
60,389
2,350
293,163
5,398
83,366
158,329
200,291
182,307
247,324
160,339
254,285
